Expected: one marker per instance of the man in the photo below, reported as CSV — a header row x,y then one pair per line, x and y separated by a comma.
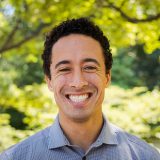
x,y
77,65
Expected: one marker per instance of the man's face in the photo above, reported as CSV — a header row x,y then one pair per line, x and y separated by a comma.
x,y
78,77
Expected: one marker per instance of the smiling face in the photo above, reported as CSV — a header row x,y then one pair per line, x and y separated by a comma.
x,y
78,77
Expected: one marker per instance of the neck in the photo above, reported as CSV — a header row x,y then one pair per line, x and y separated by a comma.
x,y
82,134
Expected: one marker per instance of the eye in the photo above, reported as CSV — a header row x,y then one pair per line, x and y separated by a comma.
x,y
66,69
90,68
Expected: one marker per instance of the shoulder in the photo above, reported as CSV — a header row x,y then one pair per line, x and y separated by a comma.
x,y
137,146
26,147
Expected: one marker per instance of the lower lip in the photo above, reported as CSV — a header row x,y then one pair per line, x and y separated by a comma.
x,y
79,104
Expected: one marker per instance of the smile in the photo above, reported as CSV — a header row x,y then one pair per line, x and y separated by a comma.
x,y
78,98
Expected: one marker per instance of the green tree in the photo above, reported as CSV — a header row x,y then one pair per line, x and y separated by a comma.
x,y
124,22
133,67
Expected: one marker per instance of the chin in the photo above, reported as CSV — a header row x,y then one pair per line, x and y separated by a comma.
x,y
80,118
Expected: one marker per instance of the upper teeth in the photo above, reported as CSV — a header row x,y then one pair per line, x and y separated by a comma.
x,y
78,98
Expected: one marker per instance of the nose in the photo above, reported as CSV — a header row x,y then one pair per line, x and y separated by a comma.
x,y
78,80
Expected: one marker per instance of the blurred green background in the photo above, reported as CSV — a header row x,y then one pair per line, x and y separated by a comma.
x,y
133,99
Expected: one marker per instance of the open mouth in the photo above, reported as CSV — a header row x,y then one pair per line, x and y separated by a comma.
x,y
78,98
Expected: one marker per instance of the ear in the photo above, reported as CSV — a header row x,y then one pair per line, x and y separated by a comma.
x,y
48,81
108,78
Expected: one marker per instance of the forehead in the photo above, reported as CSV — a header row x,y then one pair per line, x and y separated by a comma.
x,y
76,47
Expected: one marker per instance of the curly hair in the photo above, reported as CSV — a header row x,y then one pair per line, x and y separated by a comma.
x,y
77,26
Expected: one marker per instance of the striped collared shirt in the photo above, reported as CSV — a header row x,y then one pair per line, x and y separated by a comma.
x,y
51,144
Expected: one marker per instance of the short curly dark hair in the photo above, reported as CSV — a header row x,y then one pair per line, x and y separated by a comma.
x,y
77,26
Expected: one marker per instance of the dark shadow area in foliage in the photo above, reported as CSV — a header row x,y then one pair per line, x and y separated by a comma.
x,y
16,118
147,67
133,67
29,73
16,69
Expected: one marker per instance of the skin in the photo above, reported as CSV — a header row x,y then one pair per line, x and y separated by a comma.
x,y
78,68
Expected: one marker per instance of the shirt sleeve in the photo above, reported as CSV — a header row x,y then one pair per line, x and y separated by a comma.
x,y
156,155
3,156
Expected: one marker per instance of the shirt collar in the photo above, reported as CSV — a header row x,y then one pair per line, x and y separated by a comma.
x,y
57,138
107,135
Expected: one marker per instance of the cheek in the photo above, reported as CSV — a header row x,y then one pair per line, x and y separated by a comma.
x,y
58,83
97,79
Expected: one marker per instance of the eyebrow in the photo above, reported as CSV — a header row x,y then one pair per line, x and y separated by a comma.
x,y
91,60
62,62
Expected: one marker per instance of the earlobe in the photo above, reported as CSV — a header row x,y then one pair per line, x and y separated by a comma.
x,y
49,84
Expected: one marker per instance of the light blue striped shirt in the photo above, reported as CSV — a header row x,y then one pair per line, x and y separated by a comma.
x,y
51,144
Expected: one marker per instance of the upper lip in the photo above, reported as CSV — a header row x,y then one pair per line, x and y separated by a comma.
x,y
76,93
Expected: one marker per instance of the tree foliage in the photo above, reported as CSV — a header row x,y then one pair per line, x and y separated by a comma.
x,y
133,67
124,22
136,110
